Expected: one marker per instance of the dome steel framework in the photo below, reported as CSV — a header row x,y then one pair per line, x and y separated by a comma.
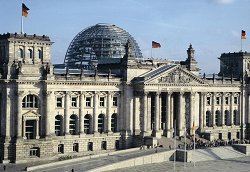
x,y
99,41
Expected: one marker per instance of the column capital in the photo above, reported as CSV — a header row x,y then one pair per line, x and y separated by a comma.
x,y
181,93
203,93
169,92
83,93
145,93
157,93
47,93
193,93
19,93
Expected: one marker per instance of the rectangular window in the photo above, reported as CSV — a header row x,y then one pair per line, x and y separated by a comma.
x,y
102,102
34,151
74,101
90,146
115,101
60,148
208,100
59,102
88,101
75,147
235,100
226,100
104,145
217,100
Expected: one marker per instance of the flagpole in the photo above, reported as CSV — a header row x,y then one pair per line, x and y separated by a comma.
x,y
151,52
22,17
241,44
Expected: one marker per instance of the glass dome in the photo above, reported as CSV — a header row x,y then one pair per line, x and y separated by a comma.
x,y
99,41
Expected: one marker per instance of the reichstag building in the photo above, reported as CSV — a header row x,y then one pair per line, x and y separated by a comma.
x,y
107,96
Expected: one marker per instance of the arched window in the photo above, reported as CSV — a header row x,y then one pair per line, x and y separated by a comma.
x,y
40,54
72,124
30,53
114,122
58,125
20,53
101,118
217,118
235,120
87,122
208,119
30,101
227,118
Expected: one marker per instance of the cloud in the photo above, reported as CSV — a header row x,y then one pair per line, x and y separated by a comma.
x,y
222,1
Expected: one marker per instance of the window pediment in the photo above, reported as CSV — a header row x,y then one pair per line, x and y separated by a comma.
x,y
31,115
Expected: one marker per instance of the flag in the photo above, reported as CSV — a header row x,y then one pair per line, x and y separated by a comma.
x,y
156,44
243,34
25,10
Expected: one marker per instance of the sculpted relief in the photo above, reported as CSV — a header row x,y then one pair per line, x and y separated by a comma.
x,y
176,77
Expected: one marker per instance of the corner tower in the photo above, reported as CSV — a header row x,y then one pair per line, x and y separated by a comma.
x,y
191,63
24,56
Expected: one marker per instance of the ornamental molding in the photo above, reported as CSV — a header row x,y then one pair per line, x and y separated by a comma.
x,y
31,115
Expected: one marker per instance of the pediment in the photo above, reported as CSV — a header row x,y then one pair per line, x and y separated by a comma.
x,y
174,75
31,115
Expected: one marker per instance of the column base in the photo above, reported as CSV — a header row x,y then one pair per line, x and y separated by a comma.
x,y
145,133
96,133
167,133
157,134
181,132
6,161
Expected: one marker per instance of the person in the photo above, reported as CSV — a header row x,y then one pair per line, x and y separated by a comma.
x,y
72,170
4,168
169,147
156,149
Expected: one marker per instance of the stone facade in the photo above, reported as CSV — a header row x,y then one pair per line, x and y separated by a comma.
x,y
45,114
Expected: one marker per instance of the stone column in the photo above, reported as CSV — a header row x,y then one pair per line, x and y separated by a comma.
x,y
66,112
37,129
157,115
19,114
81,115
145,113
181,114
223,109
171,113
167,131
204,109
109,112
192,110
243,108
149,125
48,113
95,113
137,112
24,128
7,115
201,110
248,117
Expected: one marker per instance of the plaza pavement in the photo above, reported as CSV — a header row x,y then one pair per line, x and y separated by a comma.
x,y
234,164
241,164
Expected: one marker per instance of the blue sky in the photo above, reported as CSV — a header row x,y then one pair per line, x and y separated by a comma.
x,y
212,26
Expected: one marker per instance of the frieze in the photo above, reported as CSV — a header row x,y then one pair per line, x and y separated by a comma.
x,y
176,77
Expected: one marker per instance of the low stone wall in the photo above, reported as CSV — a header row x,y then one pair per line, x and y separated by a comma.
x,y
58,163
243,148
147,159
